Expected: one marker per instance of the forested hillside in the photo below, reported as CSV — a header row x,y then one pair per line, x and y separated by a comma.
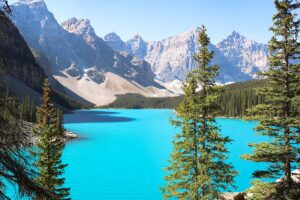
x,y
238,97
235,99
138,101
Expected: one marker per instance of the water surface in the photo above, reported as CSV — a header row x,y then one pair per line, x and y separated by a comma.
x,y
121,153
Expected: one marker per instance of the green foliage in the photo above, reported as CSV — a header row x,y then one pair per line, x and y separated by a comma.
x,y
66,101
261,190
50,145
278,116
197,167
235,99
137,101
28,110
15,164
239,97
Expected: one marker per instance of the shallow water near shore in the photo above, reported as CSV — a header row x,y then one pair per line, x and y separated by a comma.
x,y
120,154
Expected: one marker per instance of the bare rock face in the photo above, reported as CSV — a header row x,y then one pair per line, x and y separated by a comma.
x,y
248,55
125,65
114,41
76,58
137,46
95,75
75,71
172,58
73,46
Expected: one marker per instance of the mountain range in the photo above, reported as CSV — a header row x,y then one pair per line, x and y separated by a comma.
x,y
20,73
172,58
80,60
95,70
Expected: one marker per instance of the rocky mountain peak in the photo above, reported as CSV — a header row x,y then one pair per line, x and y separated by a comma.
x,y
238,40
79,26
235,34
112,37
137,46
189,36
39,3
115,42
32,18
172,57
136,37
248,55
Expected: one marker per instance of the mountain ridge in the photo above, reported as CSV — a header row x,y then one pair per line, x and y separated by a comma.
x,y
21,74
163,61
247,54
75,51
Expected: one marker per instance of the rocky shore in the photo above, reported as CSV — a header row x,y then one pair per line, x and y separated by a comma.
x,y
28,128
245,195
233,196
70,135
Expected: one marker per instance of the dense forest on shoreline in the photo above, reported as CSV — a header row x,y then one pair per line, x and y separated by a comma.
x,y
235,99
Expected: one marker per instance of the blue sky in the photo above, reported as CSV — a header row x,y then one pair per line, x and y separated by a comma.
x,y
158,19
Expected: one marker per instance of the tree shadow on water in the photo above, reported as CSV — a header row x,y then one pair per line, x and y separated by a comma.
x,y
94,117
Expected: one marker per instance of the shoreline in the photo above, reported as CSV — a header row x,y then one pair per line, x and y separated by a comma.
x,y
69,135
148,108
29,127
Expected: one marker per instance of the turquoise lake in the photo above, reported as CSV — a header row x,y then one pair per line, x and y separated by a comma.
x,y
120,154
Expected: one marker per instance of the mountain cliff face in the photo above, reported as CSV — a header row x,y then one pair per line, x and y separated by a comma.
x,y
20,72
17,61
244,53
135,46
74,45
76,52
122,64
114,41
172,58
75,56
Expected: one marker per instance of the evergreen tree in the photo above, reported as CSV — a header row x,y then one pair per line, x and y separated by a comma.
x,y
279,116
197,168
15,164
50,146
32,111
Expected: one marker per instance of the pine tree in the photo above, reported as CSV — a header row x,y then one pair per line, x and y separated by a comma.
x,y
15,164
279,117
32,111
197,167
50,146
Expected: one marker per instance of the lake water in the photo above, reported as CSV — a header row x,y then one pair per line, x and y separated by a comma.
x,y
120,154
